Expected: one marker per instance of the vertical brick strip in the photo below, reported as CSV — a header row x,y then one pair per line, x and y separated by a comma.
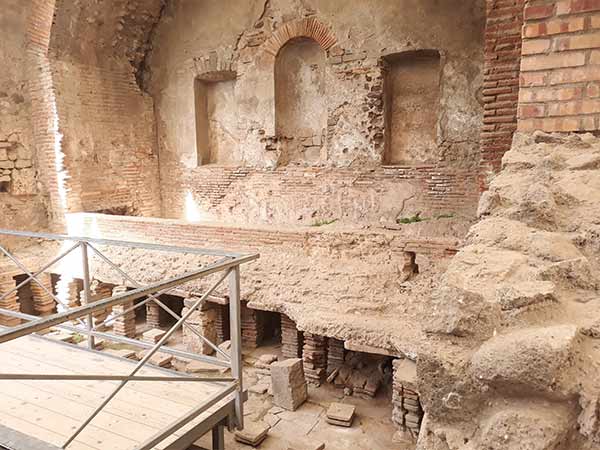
x,y
501,82
43,114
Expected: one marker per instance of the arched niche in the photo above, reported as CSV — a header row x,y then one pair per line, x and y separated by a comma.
x,y
301,101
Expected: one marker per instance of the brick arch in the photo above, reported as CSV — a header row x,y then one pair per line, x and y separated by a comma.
x,y
309,28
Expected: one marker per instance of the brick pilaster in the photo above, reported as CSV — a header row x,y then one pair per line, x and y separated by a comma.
x,y
43,303
124,325
315,358
501,83
291,338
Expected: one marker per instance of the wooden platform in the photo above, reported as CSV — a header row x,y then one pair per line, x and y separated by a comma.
x,y
50,411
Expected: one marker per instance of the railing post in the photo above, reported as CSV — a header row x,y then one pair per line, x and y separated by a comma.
x,y
86,293
235,318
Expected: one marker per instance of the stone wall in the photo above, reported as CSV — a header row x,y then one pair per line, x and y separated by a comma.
x,y
22,204
353,42
561,66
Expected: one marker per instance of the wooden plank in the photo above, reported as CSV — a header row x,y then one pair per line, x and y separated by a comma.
x,y
139,411
19,441
63,425
59,406
128,402
40,432
72,360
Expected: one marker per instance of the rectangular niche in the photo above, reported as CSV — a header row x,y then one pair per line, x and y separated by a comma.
x,y
216,120
412,102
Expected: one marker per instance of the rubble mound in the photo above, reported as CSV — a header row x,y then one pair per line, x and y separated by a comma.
x,y
520,303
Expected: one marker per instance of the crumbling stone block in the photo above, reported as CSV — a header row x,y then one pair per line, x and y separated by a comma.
x,y
289,384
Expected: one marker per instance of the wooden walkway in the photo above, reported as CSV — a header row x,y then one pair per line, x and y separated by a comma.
x,y
50,411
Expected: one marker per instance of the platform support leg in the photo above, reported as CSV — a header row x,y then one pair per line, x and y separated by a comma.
x,y
218,437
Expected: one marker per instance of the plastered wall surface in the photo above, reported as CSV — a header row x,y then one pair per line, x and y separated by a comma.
x,y
193,40
21,201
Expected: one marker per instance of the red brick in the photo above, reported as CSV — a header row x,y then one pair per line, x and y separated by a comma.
x,y
534,46
578,42
578,6
538,12
528,111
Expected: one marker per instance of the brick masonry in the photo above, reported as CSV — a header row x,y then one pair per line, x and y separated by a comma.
x,y
43,98
560,71
501,82
93,128
297,195
172,232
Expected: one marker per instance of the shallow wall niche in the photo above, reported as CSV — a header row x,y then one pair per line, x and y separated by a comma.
x,y
216,119
412,100
300,101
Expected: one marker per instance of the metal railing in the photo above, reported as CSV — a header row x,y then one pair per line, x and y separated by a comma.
x,y
228,268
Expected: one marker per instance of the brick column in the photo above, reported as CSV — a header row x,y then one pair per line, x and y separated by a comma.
x,y
98,291
124,325
407,413
315,358
222,323
335,354
501,83
68,290
152,314
291,339
11,302
252,329
43,303
205,322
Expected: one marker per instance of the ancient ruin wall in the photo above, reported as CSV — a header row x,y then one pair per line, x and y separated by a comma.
x,y
106,123
22,203
503,43
302,179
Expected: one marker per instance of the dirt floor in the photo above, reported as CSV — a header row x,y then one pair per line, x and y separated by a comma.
x,y
305,428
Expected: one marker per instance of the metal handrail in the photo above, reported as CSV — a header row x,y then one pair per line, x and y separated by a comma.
x,y
229,266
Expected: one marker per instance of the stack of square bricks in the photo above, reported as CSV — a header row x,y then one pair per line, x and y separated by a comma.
x,y
251,328
152,314
291,339
407,412
10,302
124,325
222,323
99,291
335,355
315,358
43,302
